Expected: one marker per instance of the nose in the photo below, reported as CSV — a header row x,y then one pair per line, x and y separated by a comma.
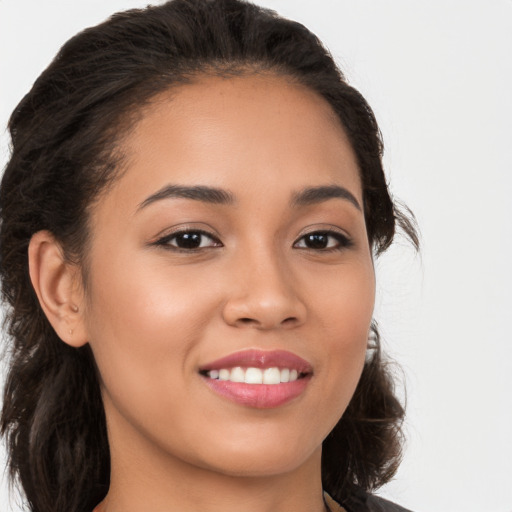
x,y
263,295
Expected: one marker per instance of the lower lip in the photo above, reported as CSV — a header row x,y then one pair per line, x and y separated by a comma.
x,y
259,396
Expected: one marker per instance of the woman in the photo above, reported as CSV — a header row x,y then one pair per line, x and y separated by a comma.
x,y
189,218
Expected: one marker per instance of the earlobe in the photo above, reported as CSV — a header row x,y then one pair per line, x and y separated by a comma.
x,y
57,284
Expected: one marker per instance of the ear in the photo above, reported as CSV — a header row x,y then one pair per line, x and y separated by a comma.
x,y
58,286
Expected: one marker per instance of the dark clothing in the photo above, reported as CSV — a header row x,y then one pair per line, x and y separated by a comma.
x,y
363,502
369,503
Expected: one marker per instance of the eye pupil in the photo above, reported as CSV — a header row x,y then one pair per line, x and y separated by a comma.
x,y
317,240
188,240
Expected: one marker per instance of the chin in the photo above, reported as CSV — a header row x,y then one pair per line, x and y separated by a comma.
x,y
248,459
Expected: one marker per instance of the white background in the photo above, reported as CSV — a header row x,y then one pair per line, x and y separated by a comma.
x,y
438,74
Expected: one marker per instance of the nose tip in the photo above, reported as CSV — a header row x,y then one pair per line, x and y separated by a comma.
x,y
265,304
260,318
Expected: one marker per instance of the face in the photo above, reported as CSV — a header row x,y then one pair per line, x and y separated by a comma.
x,y
230,280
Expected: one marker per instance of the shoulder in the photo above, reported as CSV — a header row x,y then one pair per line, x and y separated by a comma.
x,y
364,502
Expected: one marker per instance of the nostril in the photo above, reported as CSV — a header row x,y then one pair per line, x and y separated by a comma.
x,y
290,320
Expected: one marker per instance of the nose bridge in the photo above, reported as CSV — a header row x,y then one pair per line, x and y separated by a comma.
x,y
264,293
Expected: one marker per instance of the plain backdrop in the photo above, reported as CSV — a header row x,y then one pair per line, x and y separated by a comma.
x,y
438,74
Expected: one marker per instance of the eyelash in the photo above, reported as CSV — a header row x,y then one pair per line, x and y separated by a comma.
x,y
342,241
165,240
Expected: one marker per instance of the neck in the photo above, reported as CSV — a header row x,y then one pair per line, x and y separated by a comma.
x,y
144,477
189,489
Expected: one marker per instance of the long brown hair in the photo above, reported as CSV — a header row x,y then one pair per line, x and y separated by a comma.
x,y
65,134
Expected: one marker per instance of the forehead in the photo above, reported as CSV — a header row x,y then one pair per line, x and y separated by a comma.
x,y
259,132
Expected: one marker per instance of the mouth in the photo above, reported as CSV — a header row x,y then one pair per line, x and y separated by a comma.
x,y
260,379
252,375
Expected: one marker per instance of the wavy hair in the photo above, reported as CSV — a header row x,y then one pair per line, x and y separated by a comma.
x,y
65,133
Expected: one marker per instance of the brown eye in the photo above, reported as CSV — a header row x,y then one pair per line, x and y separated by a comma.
x,y
323,240
316,240
189,240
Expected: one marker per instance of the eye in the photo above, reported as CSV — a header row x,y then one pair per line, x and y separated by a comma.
x,y
189,240
323,241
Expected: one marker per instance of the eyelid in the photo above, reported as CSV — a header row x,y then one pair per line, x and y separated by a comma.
x,y
168,234
345,240
324,228
163,238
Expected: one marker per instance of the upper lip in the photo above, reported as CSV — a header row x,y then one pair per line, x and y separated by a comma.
x,y
254,358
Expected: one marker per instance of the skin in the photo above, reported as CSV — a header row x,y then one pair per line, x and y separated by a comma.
x,y
154,314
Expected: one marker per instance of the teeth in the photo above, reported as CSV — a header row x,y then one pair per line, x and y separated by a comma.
x,y
237,374
255,375
271,376
224,375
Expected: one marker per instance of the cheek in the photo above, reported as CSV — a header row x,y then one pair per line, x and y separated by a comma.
x,y
136,296
142,332
344,310
141,328
343,301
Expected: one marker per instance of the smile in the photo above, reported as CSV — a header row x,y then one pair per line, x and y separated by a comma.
x,y
256,375
260,379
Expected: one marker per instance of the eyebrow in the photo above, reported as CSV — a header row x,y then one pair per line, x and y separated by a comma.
x,y
197,193
213,195
314,195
